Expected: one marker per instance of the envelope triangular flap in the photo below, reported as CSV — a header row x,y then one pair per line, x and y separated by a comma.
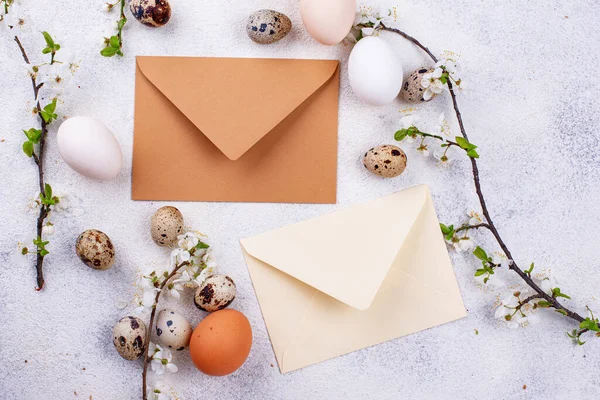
x,y
345,254
236,101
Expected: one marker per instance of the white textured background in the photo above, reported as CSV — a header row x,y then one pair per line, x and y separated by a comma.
x,y
532,107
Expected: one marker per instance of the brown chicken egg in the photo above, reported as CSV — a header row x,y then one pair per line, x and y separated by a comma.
x,y
221,342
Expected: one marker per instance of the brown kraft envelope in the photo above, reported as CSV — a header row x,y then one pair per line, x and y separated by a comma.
x,y
235,129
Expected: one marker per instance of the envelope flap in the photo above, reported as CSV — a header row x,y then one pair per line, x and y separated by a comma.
x,y
345,254
236,101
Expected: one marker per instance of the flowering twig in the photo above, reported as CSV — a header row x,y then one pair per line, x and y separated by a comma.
x,y
547,300
38,137
150,326
114,44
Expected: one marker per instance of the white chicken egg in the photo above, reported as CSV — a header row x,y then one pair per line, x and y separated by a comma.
x,y
328,22
89,148
374,71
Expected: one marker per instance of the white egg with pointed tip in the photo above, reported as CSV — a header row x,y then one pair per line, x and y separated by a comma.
x,y
374,71
328,21
89,148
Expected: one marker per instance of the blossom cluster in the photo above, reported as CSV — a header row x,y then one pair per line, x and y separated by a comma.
x,y
412,127
369,21
197,263
445,71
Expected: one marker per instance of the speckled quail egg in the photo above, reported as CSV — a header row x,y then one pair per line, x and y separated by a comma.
x,y
173,330
129,337
95,249
216,293
413,91
268,26
154,13
387,161
166,225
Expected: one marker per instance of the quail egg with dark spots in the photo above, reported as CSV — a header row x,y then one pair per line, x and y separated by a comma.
x,y
216,293
268,26
95,249
173,330
387,161
154,13
413,90
166,225
129,337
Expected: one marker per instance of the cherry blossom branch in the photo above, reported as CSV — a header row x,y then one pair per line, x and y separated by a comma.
x,y
551,300
39,161
151,325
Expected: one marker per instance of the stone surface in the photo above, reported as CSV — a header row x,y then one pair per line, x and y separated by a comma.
x,y
538,131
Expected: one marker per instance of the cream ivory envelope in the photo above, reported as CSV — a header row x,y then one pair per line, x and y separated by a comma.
x,y
353,278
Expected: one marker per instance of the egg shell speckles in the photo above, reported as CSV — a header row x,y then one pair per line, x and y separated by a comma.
x,y
413,91
387,161
268,26
166,225
173,330
129,337
216,293
154,13
95,249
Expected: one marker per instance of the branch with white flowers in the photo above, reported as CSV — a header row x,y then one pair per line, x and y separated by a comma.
x,y
444,75
190,263
42,75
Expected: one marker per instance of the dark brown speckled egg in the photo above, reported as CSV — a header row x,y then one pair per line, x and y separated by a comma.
x,y
387,161
154,13
216,293
129,337
95,249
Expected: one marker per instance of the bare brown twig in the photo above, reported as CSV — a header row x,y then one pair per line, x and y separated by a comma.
x,y
39,161
476,179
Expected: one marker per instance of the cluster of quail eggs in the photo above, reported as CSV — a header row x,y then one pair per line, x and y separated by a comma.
x,y
172,330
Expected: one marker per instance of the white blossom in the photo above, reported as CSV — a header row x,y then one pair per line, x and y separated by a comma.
x,y
48,229
161,359
179,256
188,241
474,218
161,392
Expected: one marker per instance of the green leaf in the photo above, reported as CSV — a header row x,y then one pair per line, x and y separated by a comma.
x,y
108,52
444,229
480,272
530,270
48,190
44,252
202,245
561,311
49,40
481,254
47,50
579,342
34,135
462,142
114,42
557,293
51,107
401,134
589,324
121,23
28,148
472,153
543,304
